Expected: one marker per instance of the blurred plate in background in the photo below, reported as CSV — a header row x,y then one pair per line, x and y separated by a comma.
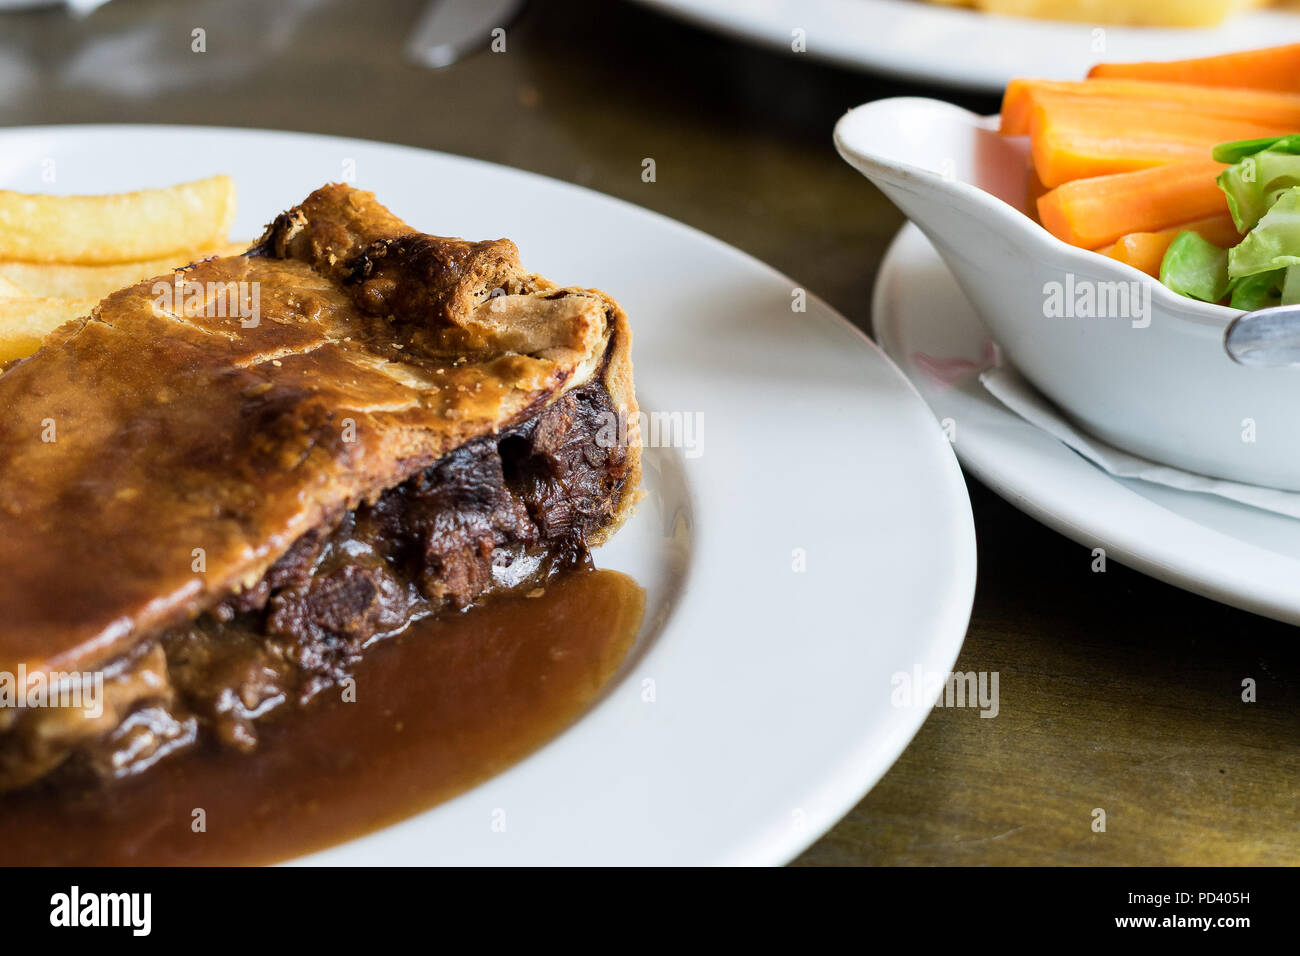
x,y
954,46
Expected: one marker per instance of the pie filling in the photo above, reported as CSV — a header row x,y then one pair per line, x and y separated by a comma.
x,y
502,512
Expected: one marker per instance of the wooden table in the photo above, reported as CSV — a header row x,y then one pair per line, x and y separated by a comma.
x,y
1116,691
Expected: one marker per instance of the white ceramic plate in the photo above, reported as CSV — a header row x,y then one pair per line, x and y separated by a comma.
x,y
772,712
1208,545
959,47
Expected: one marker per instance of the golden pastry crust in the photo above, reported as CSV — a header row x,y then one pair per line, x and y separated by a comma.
x,y
189,450
618,382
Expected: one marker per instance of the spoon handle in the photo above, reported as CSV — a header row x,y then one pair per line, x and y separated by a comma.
x,y
1267,338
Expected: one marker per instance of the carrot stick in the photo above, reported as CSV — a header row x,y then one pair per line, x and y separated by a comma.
x,y
1273,68
1034,189
1146,250
1096,211
1070,139
1257,106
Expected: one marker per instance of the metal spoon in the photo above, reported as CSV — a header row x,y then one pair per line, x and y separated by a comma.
x,y
1265,338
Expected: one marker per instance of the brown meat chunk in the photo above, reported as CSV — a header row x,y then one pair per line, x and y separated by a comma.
x,y
498,512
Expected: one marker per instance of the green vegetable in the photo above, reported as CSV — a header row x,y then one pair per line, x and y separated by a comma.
x,y
1274,243
1236,151
1291,286
1262,187
1195,267
1255,183
1258,291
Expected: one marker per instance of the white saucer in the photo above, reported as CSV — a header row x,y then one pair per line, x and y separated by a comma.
x,y
1230,552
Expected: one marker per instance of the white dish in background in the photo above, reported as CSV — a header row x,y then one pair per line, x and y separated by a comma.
x,y
1152,379
772,712
955,46
1209,545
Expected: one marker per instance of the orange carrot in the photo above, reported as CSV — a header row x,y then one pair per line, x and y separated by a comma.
x,y
1273,68
1093,212
1146,250
1257,106
1070,139
1034,190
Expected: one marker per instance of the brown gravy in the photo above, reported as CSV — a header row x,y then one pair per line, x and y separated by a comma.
x,y
438,709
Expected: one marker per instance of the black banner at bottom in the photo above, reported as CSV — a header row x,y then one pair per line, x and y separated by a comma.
x,y
330,906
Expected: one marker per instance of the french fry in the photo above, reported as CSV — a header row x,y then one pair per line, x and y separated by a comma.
x,y
64,281
24,322
10,289
125,227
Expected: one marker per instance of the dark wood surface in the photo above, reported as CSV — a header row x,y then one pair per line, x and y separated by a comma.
x,y
1116,692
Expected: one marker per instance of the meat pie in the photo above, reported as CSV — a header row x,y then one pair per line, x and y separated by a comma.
x,y
218,513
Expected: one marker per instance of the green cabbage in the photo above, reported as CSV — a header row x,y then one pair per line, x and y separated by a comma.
x,y
1195,267
1255,183
1259,291
1235,152
1274,243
